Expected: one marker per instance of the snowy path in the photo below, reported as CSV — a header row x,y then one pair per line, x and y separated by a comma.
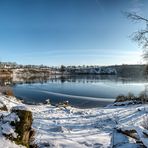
x,y
71,127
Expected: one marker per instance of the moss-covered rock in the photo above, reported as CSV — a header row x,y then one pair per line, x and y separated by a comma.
x,y
23,126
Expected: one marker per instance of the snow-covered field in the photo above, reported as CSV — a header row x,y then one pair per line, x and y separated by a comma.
x,y
69,127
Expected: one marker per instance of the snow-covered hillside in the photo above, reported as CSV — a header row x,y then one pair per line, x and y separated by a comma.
x,y
72,127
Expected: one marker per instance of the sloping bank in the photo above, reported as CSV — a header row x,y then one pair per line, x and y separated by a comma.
x,y
71,127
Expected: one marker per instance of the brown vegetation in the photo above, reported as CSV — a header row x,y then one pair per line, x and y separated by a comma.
x,y
6,90
142,98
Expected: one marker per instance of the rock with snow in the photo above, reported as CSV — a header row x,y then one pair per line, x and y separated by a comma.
x,y
20,107
23,126
12,117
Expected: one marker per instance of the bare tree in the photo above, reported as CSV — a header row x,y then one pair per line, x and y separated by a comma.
x,y
140,36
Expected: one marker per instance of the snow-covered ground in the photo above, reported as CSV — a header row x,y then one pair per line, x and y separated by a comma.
x,y
69,127
9,102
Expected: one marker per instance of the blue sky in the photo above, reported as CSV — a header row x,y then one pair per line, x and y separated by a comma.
x,y
69,32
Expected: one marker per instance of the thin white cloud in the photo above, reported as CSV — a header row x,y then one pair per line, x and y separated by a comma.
x,y
137,6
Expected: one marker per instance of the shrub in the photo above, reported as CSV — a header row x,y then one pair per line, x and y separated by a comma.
x,y
129,97
120,98
6,91
9,92
143,97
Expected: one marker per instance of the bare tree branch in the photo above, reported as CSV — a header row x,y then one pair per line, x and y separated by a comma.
x,y
134,17
141,36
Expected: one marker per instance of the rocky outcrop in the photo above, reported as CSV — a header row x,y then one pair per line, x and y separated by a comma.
x,y
5,72
17,126
23,126
30,73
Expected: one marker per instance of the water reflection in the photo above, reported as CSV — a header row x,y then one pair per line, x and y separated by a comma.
x,y
80,90
69,78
